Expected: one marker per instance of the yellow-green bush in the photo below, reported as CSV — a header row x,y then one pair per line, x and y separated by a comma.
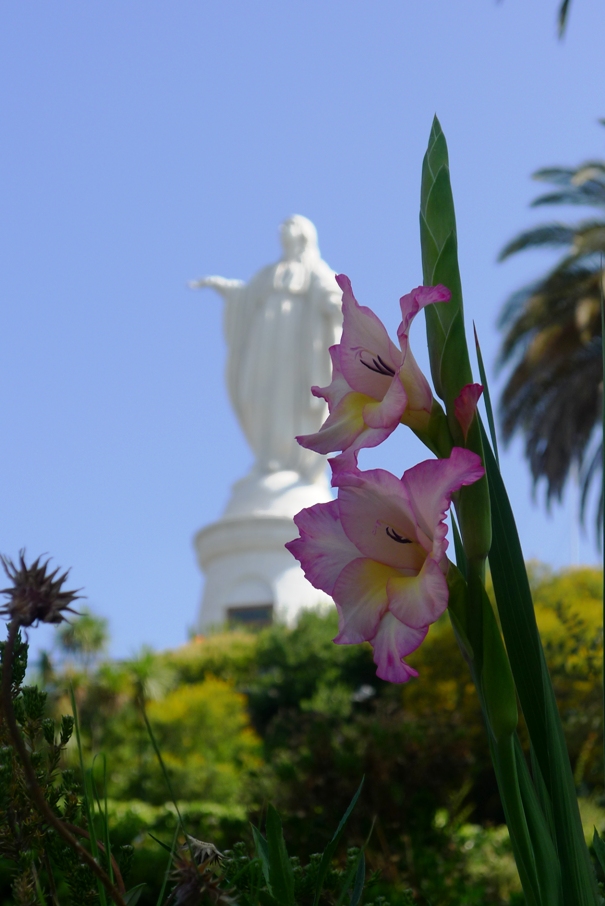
x,y
224,654
207,743
569,612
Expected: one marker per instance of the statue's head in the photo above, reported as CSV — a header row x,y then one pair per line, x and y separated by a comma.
x,y
299,238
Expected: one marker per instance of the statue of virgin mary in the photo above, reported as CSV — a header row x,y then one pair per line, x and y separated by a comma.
x,y
279,327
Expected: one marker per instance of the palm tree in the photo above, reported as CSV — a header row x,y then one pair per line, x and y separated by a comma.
x,y
84,639
562,16
552,342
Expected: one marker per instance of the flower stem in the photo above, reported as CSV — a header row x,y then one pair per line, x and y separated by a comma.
x,y
81,832
602,526
33,789
516,820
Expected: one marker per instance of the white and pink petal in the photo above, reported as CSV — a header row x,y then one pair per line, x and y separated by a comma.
x,y
429,487
418,298
338,387
421,599
377,518
342,427
323,548
419,393
368,357
392,642
360,594
387,412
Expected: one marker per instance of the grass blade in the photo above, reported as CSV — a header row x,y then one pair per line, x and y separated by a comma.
x,y
542,793
262,851
87,793
330,849
161,842
602,486
599,848
350,875
168,867
516,611
103,814
360,877
548,867
487,398
459,548
133,896
156,749
280,867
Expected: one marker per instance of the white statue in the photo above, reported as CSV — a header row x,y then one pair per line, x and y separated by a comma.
x,y
279,327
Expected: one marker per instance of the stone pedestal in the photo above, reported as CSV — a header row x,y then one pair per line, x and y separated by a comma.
x,y
250,577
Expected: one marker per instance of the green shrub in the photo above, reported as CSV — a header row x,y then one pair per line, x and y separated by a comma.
x,y
207,744
287,717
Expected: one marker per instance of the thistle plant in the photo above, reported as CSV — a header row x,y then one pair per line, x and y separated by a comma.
x,y
41,804
380,549
42,859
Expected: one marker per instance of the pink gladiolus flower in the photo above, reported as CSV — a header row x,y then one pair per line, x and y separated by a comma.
x,y
465,405
379,551
375,385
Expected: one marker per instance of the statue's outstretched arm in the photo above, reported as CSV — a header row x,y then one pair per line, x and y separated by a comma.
x,y
228,289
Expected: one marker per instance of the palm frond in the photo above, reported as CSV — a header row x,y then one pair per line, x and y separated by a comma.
x,y
580,185
549,234
559,176
590,240
589,193
591,169
551,302
562,17
580,261
589,475
554,403
516,302
568,176
552,341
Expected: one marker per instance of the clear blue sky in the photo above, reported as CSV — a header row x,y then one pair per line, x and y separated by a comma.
x,y
146,143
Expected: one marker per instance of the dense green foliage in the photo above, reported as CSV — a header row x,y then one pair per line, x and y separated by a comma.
x,y
38,857
288,718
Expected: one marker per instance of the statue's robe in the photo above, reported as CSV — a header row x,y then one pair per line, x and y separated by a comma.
x,y
279,327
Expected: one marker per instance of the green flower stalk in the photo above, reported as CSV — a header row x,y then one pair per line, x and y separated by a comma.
x,y
448,350
541,809
379,549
